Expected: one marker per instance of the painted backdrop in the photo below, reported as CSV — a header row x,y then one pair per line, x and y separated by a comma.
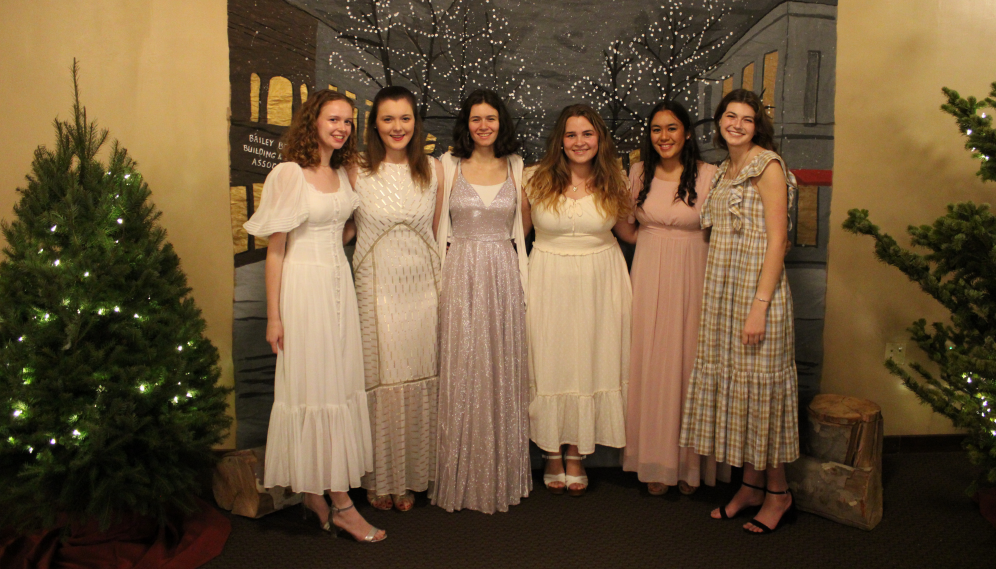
x,y
621,57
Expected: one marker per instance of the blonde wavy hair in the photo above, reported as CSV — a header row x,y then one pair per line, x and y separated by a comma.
x,y
301,139
552,176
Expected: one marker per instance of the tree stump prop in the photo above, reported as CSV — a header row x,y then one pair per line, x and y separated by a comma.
x,y
237,485
839,475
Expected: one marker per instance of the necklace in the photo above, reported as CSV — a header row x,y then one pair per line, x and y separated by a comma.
x,y
583,183
735,172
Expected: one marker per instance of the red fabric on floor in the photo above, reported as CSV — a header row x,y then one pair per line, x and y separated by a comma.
x,y
135,542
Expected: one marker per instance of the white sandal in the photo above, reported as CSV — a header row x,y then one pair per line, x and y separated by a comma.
x,y
570,480
552,478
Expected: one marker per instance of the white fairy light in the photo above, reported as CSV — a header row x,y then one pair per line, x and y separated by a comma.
x,y
54,227
17,413
120,221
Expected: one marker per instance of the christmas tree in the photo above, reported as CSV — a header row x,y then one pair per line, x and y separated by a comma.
x,y
959,270
108,395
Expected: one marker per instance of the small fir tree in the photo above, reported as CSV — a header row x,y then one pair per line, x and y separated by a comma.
x,y
960,272
109,401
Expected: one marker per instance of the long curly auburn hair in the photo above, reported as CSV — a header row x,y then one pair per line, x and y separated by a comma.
x,y
301,139
553,175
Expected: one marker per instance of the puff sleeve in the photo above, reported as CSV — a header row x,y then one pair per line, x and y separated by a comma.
x,y
283,205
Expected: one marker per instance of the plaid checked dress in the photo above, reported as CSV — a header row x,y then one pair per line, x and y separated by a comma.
x,y
742,401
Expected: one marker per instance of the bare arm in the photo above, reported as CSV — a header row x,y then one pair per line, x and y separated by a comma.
x,y
626,231
527,213
274,269
348,231
439,199
774,197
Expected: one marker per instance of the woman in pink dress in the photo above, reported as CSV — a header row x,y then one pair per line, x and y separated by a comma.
x,y
669,188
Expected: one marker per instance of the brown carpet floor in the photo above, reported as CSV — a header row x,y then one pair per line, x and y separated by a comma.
x,y
929,522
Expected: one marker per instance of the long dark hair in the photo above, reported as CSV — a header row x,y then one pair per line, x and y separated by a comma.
x,y
505,143
690,155
418,162
764,129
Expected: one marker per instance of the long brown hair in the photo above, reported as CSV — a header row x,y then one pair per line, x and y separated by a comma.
x,y
553,175
418,162
301,139
764,129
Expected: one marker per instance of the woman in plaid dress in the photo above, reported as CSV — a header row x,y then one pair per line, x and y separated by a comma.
x,y
742,406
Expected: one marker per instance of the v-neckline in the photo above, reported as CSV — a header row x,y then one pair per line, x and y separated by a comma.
x,y
476,193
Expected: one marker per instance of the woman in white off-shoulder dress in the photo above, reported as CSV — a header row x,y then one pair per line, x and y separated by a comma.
x,y
319,434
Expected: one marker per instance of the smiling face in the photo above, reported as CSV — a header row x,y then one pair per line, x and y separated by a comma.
x,y
483,124
395,123
334,125
667,135
736,126
580,140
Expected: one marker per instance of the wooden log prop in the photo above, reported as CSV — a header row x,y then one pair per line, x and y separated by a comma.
x,y
237,485
839,475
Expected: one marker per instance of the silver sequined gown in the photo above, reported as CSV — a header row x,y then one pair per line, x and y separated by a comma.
x,y
483,433
397,287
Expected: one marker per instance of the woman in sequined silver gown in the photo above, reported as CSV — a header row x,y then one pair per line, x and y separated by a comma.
x,y
397,287
482,448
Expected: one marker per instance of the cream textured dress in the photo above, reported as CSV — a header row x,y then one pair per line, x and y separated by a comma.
x,y
742,403
319,433
578,319
397,287
668,273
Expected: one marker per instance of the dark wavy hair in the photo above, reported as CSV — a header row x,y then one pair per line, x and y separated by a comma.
x,y
418,162
301,139
507,141
690,155
764,130
553,175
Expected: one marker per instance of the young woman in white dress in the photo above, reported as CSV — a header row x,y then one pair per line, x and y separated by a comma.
x,y
318,439
397,287
578,298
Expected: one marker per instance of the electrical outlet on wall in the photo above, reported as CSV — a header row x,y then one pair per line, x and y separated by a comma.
x,y
897,352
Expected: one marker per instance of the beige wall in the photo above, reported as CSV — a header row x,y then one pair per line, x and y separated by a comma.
x,y
156,74
898,156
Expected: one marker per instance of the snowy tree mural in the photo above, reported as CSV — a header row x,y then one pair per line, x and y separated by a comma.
x,y
622,57
677,48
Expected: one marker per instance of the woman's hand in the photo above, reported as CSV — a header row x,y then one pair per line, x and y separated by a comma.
x,y
753,333
275,334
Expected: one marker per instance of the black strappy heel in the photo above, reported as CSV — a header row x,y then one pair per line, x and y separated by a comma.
x,y
788,517
722,510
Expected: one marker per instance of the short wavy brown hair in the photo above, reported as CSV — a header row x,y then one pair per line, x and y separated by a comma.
x,y
764,129
553,175
301,139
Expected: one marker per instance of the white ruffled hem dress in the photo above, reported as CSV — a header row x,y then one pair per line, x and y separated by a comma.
x,y
319,433
578,320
